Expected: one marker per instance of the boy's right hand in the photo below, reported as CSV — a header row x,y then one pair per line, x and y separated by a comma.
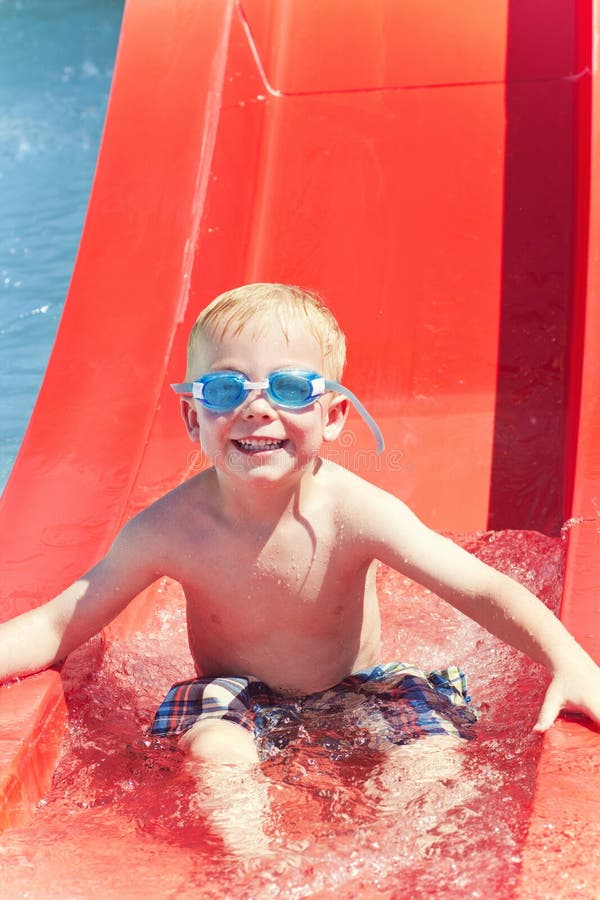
x,y
577,690
44,635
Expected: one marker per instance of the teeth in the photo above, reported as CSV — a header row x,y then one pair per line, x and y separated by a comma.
x,y
259,445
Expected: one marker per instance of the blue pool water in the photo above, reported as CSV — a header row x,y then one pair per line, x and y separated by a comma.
x,y
56,64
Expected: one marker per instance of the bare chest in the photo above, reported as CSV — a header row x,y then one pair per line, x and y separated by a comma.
x,y
295,579
292,566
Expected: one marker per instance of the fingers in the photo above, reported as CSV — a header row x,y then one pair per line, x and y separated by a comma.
x,y
551,707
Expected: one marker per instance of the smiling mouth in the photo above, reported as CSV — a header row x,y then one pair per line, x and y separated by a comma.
x,y
255,446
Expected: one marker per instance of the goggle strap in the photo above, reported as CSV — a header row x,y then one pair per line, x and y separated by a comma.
x,y
362,410
318,386
186,388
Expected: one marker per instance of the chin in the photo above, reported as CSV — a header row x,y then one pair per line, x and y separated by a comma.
x,y
272,471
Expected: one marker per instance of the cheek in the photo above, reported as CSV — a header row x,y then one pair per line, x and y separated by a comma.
x,y
211,428
307,426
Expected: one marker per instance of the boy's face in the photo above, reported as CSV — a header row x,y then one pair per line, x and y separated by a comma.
x,y
259,441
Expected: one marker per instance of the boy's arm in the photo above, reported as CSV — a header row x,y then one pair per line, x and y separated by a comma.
x,y
498,603
42,636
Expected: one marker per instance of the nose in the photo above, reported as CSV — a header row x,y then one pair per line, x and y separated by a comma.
x,y
257,405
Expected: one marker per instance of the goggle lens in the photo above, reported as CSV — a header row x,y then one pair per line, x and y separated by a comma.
x,y
289,389
222,391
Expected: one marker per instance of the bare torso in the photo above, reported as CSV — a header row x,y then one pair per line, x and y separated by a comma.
x,y
292,603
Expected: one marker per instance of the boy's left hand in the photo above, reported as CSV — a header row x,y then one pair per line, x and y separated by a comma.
x,y
571,691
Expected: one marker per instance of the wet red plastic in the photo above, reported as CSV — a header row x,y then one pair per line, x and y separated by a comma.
x,y
443,200
33,719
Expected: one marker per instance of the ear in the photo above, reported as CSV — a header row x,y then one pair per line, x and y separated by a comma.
x,y
336,416
190,417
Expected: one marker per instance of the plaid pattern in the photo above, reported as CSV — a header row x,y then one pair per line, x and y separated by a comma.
x,y
407,703
230,699
403,704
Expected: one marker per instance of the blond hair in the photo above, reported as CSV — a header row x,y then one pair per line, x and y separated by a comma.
x,y
230,312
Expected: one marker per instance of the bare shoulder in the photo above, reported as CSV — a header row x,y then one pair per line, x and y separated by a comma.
x,y
385,528
363,504
360,499
157,530
191,494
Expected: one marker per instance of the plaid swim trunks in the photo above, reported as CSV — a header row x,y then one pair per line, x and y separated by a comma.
x,y
394,703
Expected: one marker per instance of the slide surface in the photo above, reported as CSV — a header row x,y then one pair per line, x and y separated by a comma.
x,y
431,170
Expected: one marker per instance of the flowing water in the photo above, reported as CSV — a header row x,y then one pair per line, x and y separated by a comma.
x,y
56,63
126,819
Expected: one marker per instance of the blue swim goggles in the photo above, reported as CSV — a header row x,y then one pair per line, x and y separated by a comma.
x,y
223,390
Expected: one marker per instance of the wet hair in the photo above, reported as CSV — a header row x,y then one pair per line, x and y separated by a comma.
x,y
230,312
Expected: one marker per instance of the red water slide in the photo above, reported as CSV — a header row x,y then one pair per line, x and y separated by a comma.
x,y
433,170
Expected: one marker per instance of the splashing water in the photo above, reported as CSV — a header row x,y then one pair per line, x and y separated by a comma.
x,y
126,819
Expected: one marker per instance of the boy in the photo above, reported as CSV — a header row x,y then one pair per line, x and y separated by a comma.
x,y
275,550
